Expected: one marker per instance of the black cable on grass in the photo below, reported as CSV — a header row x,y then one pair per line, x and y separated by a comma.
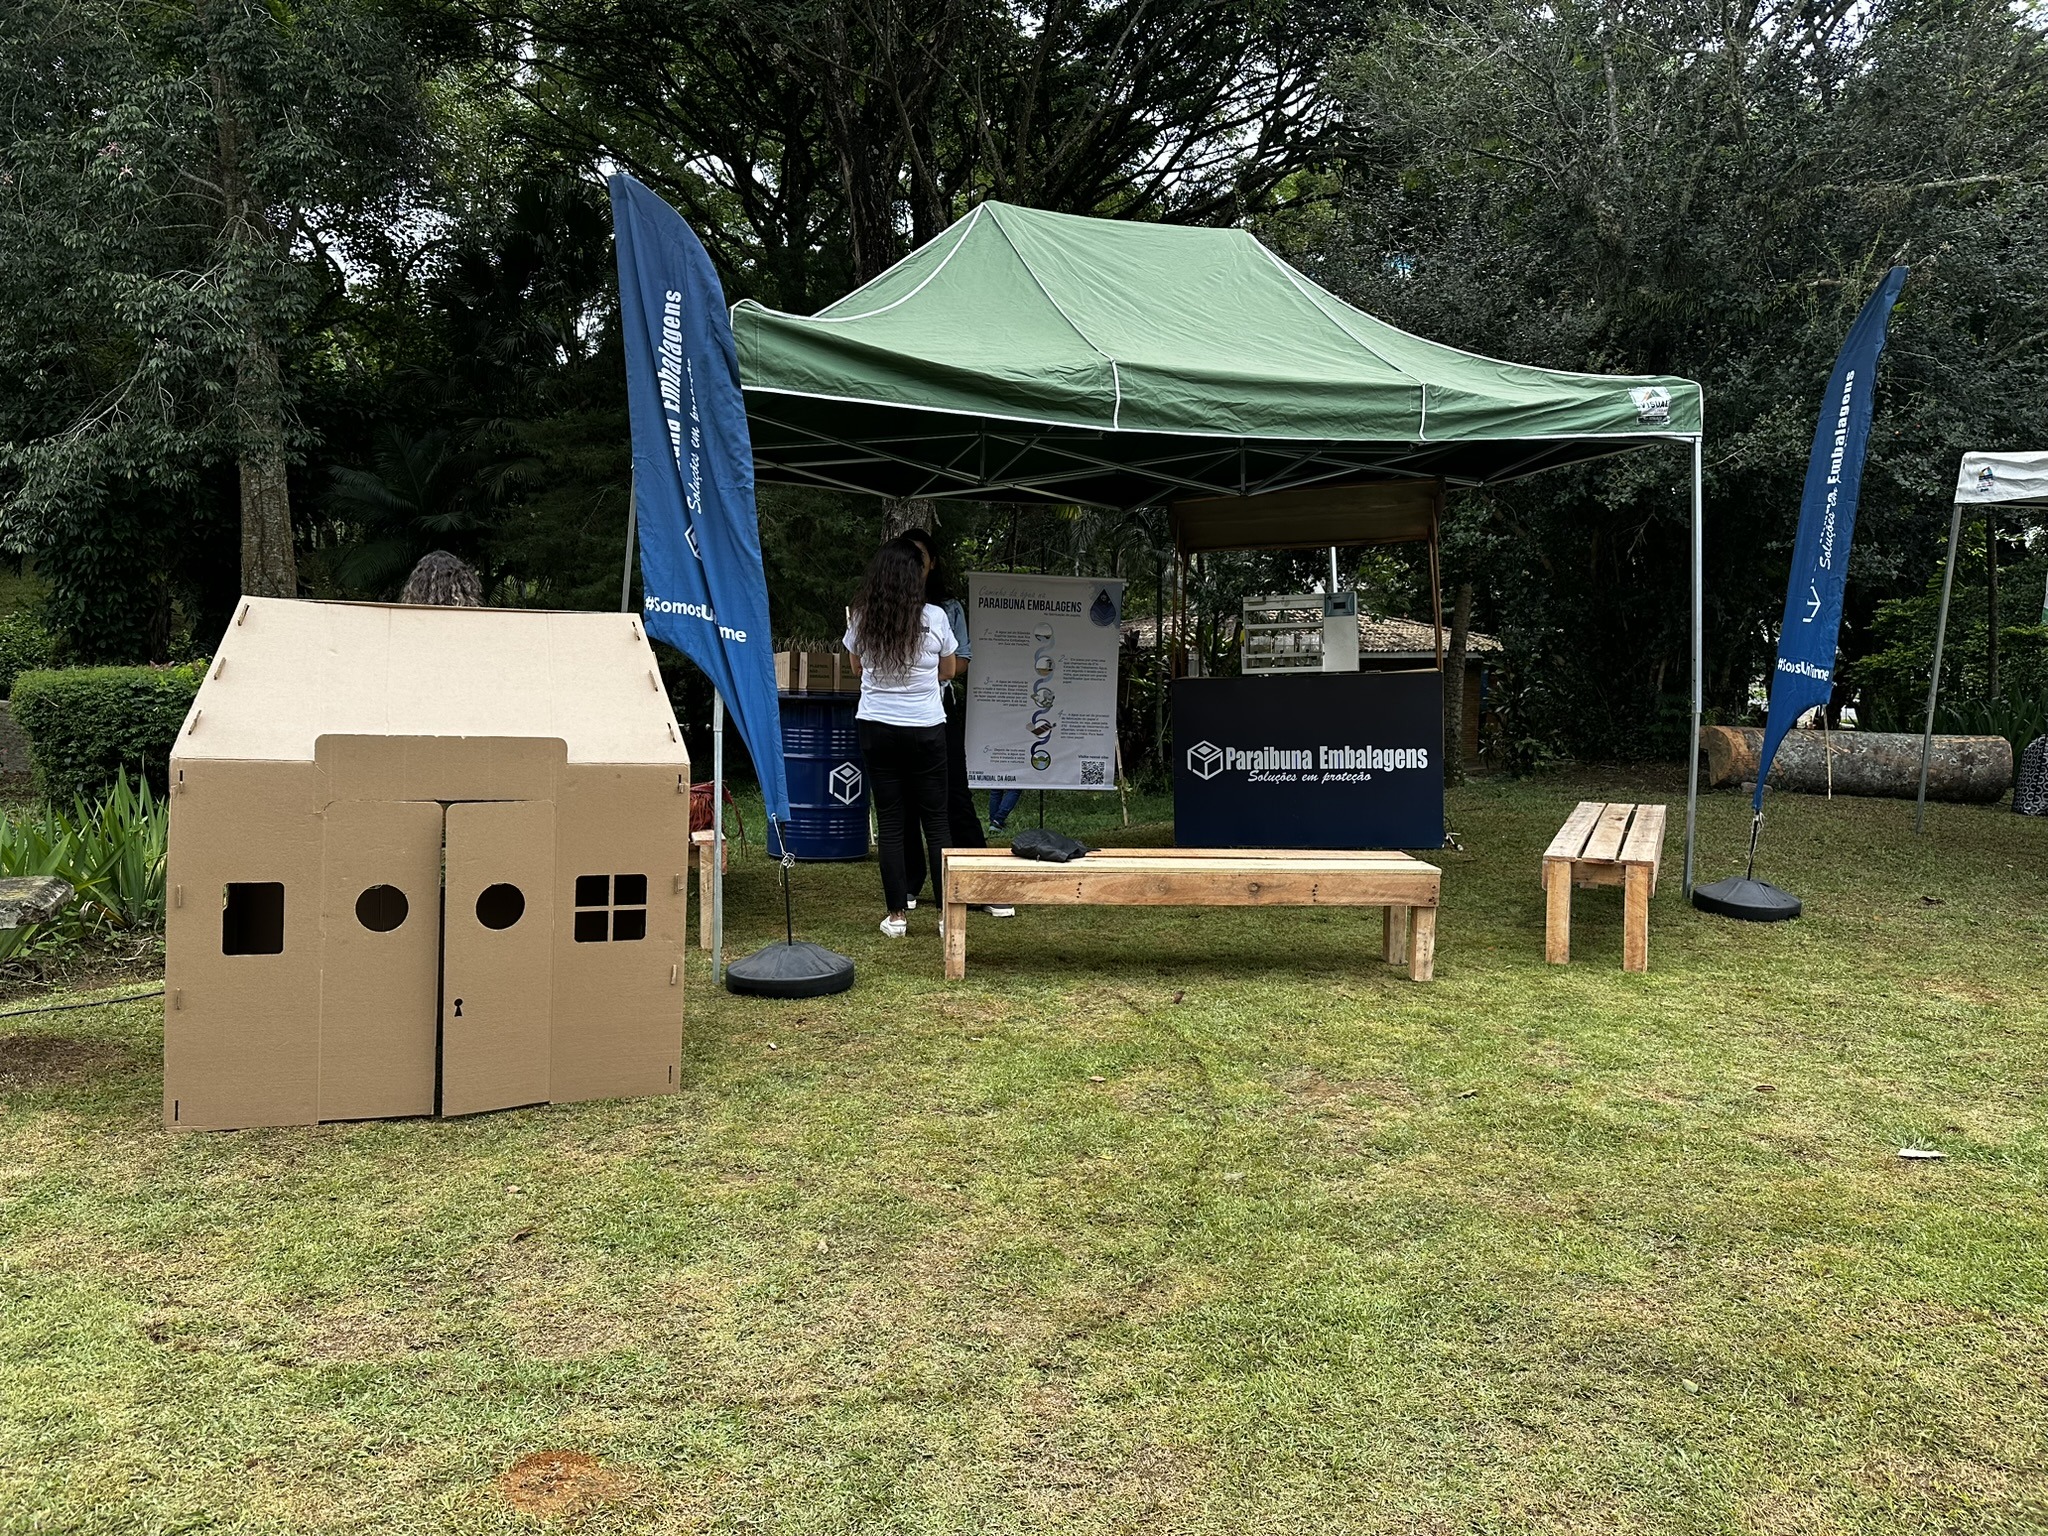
x,y
105,1002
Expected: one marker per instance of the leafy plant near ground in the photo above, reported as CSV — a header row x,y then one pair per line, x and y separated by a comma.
x,y
2018,720
112,853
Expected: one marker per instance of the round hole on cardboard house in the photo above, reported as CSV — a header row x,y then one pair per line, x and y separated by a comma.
x,y
382,908
500,906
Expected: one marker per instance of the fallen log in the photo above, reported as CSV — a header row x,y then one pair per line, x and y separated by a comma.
x,y
1976,769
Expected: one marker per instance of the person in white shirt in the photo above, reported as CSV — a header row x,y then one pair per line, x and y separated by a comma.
x,y
903,648
963,825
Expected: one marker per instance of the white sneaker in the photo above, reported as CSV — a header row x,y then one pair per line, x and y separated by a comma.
x,y
1000,911
894,927
911,904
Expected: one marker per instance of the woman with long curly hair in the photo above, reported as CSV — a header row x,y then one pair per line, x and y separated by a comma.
x,y
903,648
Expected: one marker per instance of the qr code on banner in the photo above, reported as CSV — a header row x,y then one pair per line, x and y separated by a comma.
x,y
1094,770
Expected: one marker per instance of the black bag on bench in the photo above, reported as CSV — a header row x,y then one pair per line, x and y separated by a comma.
x,y
1050,847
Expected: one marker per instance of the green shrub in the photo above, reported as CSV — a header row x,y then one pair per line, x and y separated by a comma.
x,y
24,647
87,724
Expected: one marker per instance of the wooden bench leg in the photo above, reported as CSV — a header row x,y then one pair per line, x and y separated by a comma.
x,y
703,858
1422,944
1635,918
956,940
1557,911
1394,948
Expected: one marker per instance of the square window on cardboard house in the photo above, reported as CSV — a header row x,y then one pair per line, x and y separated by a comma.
x,y
611,908
252,918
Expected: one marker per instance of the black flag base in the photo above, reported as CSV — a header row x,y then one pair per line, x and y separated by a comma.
x,y
790,969
1746,900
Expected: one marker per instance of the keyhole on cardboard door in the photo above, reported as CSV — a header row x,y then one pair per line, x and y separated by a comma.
x,y
458,1007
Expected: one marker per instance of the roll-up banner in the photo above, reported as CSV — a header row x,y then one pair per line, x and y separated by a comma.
x,y
693,472
1041,686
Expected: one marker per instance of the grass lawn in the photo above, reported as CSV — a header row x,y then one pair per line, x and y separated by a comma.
x,y
1162,1221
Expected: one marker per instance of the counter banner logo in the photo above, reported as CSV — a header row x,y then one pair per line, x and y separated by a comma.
x,y
693,472
1310,761
1042,682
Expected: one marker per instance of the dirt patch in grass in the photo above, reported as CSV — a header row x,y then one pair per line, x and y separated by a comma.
x,y
32,1063
555,1484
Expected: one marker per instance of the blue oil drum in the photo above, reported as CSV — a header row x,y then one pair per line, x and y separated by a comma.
x,y
828,788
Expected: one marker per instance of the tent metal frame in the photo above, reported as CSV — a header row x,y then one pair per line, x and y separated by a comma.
x,y
912,457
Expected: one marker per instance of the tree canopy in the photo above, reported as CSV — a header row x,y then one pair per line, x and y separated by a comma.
x,y
292,291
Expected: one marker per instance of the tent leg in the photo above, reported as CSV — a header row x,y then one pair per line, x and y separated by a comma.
x,y
1699,671
1948,581
717,838
632,548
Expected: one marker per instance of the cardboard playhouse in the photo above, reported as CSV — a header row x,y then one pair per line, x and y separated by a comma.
x,y
423,861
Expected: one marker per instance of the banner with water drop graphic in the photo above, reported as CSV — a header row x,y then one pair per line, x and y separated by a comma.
x,y
1041,687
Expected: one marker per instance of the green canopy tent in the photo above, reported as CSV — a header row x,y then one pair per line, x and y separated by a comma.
x,y
1030,356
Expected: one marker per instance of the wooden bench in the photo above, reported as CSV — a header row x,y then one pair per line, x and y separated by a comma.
x,y
1404,887
1602,844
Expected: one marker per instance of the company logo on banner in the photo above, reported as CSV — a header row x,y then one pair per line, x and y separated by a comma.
x,y
1041,681
1310,765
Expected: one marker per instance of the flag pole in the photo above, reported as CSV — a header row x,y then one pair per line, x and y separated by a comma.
x,y
717,837
1699,669
1948,581
632,538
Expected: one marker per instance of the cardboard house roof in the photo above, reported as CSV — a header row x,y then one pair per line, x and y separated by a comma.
x,y
288,673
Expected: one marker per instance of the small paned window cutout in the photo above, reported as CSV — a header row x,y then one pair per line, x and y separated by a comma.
x,y
611,907
382,908
252,918
500,906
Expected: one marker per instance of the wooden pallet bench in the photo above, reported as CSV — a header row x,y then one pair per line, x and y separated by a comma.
x,y
1404,887
1604,844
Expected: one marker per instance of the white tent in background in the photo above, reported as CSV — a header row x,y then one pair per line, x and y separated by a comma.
x,y
1988,480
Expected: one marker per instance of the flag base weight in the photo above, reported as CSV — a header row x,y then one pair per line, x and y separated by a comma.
x,y
1747,901
794,969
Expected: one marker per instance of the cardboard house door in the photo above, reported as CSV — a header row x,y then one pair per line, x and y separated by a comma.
x,y
498,939
380,956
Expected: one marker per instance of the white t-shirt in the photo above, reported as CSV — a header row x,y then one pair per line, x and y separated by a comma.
x,y
910,697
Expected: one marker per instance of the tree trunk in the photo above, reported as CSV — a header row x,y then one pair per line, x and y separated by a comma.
x,y
900,514
269,568
1454,687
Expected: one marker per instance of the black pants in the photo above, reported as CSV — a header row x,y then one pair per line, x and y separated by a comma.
x,y
963,826
906,769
